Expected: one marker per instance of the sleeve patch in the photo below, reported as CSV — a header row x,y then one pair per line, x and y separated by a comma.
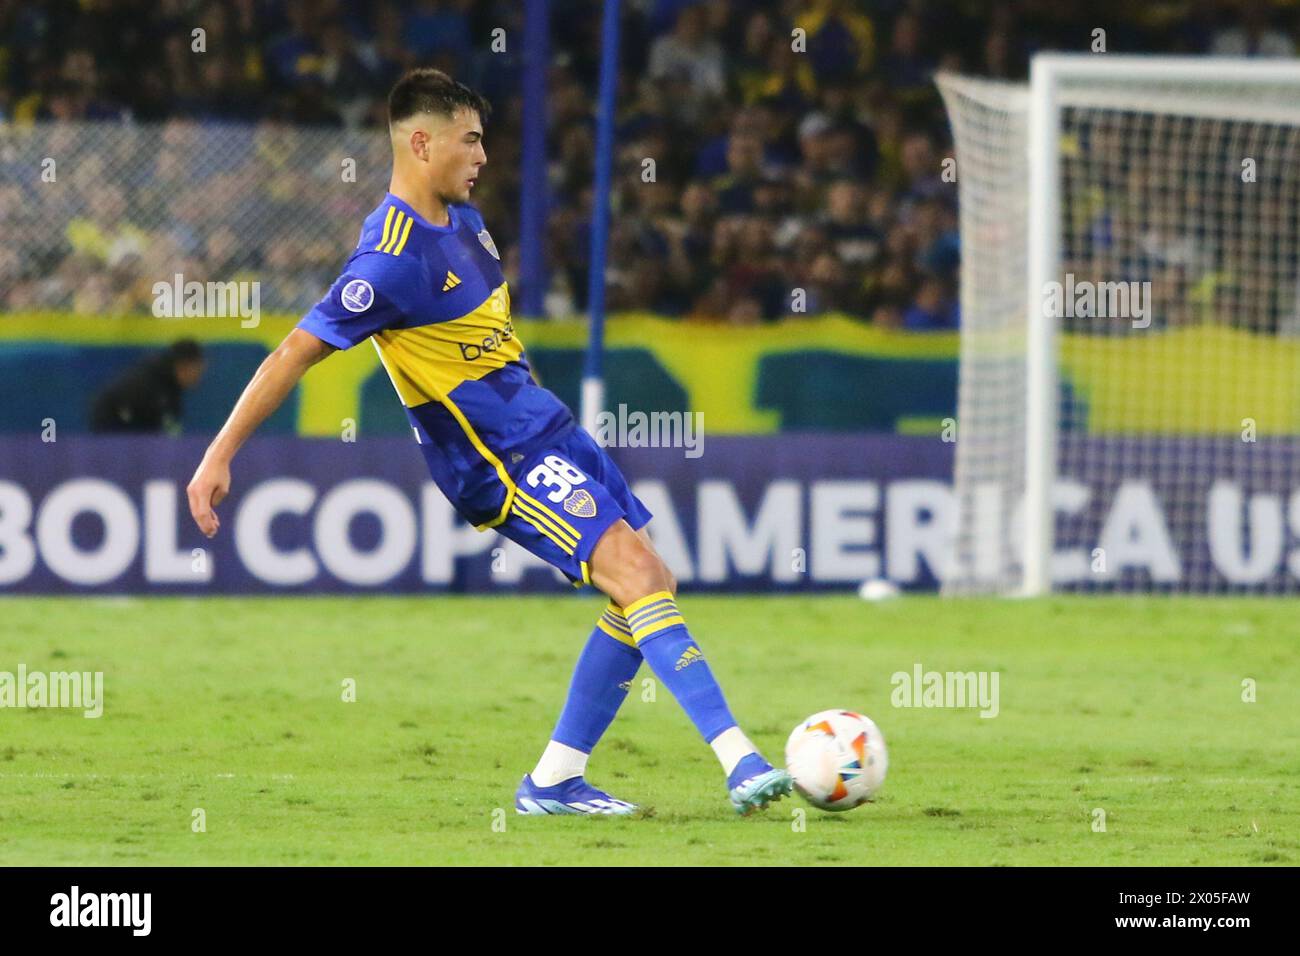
x,y
357,296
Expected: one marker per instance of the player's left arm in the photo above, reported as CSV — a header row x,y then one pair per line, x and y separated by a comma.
x,y
354,309
274,379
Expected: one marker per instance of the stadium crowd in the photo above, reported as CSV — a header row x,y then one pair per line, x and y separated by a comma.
x,y
796,144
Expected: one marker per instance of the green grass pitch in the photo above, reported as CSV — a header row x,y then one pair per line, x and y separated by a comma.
x,y
235,706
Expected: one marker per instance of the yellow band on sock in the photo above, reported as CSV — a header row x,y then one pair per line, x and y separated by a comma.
x,y
652,614
638,605
613,623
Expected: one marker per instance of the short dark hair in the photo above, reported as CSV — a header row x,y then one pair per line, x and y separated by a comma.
x,y
185,350
426,90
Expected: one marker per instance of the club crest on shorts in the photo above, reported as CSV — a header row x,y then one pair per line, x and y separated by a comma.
x,y
488,244
580,504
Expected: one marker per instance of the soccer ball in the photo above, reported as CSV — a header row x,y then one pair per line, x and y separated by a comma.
x,y
837,759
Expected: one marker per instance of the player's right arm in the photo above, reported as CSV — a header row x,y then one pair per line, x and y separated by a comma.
x,y
352,311
274,379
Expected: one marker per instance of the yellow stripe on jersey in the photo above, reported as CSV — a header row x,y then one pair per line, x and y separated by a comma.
x,y
388,223
491,459
429,361
406,234
426,363
401,220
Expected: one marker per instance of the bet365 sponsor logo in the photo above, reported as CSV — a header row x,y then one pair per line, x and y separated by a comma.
x,y
472,352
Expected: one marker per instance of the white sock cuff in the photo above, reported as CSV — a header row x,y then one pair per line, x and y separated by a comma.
x,y
559,762
732,746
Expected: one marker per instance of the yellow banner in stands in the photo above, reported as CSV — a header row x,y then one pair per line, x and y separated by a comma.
x,y
716,365
1202,379
1196,380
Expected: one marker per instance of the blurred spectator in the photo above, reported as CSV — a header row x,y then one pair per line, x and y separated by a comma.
x,y
906,63
1254,36
147,397
841,40
933,310
795,143
689,53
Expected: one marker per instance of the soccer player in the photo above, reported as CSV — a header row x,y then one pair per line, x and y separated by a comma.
x,y
425,286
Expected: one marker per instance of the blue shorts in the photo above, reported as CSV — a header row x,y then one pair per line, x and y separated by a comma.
x,y
566,495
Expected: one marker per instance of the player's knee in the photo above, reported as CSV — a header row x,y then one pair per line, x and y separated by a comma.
x,y
652,573
638,572
626,568
645,573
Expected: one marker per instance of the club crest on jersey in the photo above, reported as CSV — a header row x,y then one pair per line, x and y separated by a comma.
x,y
357,296
580,504
488,244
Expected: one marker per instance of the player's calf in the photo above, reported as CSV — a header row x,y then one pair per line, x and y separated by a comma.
x,y
626,567
600,682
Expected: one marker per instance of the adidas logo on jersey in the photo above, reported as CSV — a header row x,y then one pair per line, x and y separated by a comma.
x,y
453,280
689,657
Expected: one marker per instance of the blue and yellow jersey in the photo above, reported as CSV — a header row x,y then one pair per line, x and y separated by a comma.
x,y
434,302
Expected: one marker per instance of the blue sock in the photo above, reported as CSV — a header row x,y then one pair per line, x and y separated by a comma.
x,y
660,634
600,682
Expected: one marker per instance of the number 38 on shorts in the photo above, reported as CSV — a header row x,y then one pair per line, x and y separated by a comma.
x,y
557,474
564,498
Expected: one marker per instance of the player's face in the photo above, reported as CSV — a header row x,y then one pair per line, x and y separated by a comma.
x,y
457,156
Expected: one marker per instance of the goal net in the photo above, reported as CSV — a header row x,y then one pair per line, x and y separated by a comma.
x,y
1129,399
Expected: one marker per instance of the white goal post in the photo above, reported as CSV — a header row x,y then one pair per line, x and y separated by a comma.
x,y
1129,388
